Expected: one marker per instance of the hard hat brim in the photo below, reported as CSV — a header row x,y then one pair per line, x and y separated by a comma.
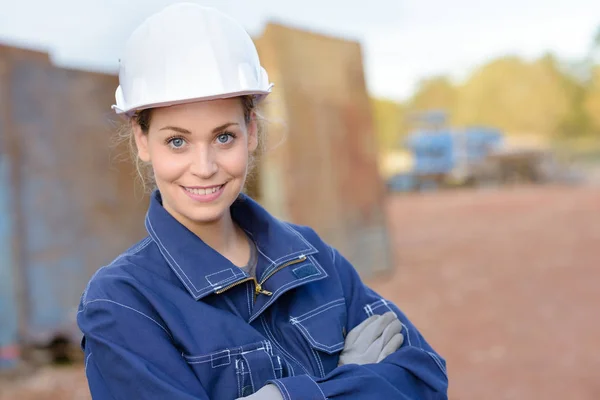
x,y
131,110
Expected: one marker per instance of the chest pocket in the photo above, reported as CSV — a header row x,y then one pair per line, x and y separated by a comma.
x,y
246,368
323,329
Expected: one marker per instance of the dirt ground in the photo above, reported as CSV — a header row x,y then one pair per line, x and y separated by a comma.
x,y
504,284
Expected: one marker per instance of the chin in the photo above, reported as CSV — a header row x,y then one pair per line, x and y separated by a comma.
x,y
205,217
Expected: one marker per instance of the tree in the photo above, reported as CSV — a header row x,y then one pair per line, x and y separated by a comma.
x,y
434,93
388,117
515,96
592,100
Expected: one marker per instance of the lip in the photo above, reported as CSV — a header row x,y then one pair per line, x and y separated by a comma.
x,y
204,198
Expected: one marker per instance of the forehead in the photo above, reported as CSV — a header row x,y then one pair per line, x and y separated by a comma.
x,y
200,114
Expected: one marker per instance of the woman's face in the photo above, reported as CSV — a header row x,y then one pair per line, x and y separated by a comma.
x,y
199,153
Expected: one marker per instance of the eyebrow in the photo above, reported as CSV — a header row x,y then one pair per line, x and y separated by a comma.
x,y
187,132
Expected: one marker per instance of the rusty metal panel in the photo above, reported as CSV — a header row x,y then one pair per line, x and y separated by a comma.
x,y
8,305
325,173
75,208
9,283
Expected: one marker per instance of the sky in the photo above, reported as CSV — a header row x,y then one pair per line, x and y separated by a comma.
x,y
403,41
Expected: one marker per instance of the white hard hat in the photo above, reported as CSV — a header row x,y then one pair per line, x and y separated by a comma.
x,y
185,53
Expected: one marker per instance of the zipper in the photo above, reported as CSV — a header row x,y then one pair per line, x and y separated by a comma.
x,y
235,284
258,289
287,264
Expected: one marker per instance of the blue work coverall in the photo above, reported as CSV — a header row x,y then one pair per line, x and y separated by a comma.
x,y
171,318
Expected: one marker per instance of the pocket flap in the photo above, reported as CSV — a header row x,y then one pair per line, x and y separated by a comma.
x,y
324,326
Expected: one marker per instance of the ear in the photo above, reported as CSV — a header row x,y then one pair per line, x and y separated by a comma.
x,y
252,128
141,142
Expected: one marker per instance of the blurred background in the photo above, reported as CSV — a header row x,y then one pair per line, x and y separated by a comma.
x,y
450,151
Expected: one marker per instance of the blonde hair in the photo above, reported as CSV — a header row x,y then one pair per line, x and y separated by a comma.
x,y
143,118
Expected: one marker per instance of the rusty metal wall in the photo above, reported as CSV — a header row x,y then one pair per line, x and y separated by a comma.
x,y
324,174
74,209
8,305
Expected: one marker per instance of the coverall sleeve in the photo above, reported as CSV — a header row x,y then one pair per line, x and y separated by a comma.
x,y
414,372
129,355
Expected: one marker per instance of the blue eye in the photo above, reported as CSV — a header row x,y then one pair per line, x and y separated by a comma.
x,y
176,142
225,138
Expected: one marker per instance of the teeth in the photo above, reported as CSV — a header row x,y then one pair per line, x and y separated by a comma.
x,y
203,192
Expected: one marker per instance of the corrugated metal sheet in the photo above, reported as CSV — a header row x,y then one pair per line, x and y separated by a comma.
x,y
75,209
8,306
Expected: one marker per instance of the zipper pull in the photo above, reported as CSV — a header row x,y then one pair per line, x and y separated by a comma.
x,y
259,290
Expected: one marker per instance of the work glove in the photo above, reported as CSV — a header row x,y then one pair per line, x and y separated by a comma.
x,y
267,392
372,340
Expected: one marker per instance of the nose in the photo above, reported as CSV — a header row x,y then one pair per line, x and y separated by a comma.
x,y
204,163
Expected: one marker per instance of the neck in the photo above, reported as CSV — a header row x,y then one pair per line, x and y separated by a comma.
x,y
223,235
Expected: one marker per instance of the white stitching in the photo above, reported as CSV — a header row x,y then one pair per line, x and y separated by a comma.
x,y
232,352
86,361
268,347
319,363
272,365
252,351
248,295
213,358
437,358
318,387
134,250
257,247
405,328
333,348
333,251
199,292
130,308
250,370
239,377
265,255
234,275
437,361
285,392
338,303
139,247
310,246
207,289
283,287
380,303
310,250
272,338
274,266
177,270
279,368
306,314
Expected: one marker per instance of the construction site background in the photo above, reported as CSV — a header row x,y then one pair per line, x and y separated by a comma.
x,y
500,280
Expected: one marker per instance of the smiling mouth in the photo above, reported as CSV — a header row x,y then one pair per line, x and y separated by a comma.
x,y
205,191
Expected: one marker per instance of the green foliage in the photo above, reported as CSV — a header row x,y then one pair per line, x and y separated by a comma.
x,y
389,120
543,97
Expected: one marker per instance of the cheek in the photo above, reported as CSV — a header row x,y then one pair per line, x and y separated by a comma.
x,y
234,161
166,165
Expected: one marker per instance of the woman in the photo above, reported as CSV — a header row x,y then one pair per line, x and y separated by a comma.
x,y
222,300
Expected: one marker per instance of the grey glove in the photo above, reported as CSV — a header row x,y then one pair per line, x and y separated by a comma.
x,y
267,392
372,340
